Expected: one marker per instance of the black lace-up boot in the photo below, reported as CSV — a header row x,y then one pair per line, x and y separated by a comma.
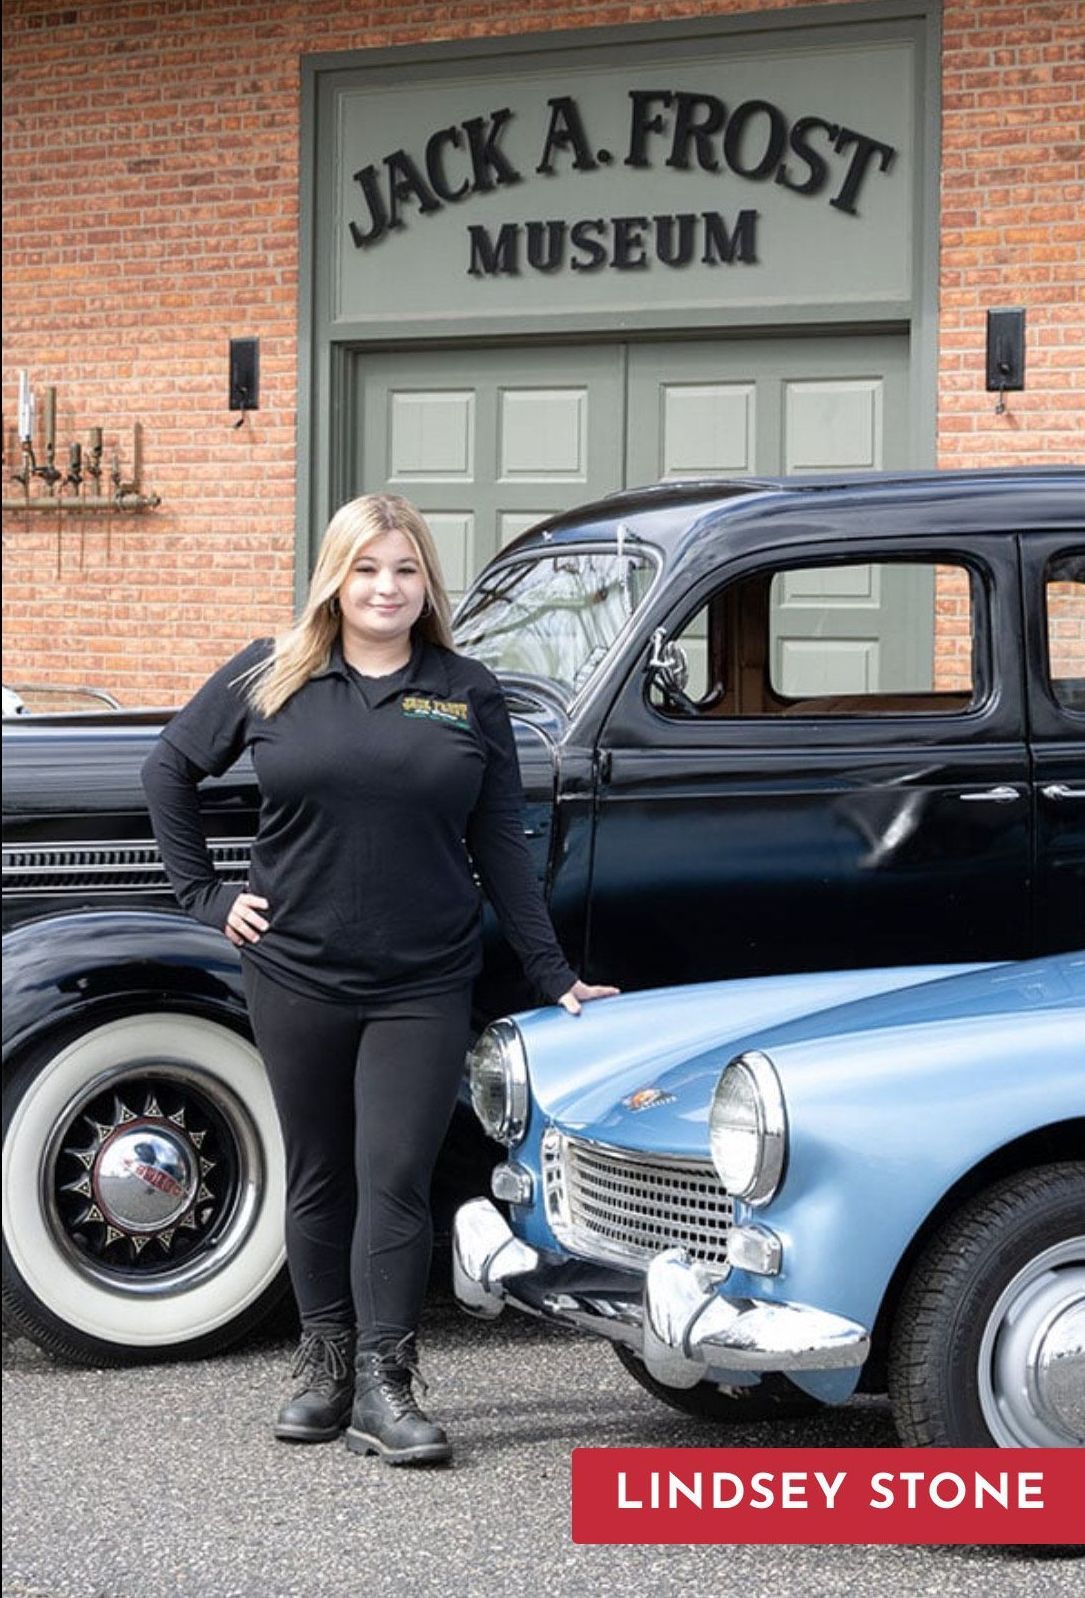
x,y
386,1418
320,1408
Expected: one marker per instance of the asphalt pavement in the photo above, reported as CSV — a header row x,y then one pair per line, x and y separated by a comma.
x,y
165,1482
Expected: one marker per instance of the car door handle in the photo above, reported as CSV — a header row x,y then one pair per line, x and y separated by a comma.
x,y
1059,790
1002,795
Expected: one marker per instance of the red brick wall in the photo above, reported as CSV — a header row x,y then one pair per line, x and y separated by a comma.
x,y
1013,225
1066,629
150,213
954,631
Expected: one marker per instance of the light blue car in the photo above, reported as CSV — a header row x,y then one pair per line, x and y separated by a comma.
x,y
781,1189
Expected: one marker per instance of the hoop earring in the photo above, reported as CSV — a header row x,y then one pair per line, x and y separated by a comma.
x,y
427,610
333,605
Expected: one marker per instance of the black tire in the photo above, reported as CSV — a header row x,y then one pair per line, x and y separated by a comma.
x,y
142,1195
773,1398
1008,1264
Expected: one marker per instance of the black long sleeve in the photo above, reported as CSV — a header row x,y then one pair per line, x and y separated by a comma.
x,y
170,781
366,802
495,840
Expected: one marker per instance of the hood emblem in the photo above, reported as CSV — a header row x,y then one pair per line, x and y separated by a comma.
x,y
647,1099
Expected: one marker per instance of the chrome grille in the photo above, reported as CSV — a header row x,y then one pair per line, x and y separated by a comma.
x,y
94,867
616,1205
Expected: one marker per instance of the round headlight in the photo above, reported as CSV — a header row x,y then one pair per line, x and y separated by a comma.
x,y
747,1128
497,1073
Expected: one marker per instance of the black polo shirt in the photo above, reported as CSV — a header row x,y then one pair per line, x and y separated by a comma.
x,y
376,796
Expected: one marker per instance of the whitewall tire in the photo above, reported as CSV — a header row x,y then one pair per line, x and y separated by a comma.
x,y
142,1191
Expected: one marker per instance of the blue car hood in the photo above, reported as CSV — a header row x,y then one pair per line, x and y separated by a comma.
x,y
584,1070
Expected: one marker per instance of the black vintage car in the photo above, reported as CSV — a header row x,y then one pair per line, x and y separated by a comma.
x,y
763,727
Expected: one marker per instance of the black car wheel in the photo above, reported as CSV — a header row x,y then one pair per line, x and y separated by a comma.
x,y
989,1341
773,1397
143,1191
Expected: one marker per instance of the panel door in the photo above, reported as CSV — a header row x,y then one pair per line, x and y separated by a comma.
x,y
750,407
762,406
489,441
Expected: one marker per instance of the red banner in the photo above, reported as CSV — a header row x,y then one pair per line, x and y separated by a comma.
x,y
829,1495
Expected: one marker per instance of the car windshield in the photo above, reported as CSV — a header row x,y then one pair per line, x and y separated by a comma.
x,y
553,618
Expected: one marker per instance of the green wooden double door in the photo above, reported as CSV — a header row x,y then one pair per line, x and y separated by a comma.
x,y
487,441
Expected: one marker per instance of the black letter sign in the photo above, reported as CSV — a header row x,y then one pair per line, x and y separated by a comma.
x,y
643,124
435,166
566,132
741,245
691,129
489,256
865,150
405,182
378,216
485,156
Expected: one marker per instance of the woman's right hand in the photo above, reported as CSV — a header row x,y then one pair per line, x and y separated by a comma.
x,y
244,923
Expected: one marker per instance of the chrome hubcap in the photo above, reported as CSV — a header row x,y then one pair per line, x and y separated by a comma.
x,y
150,1179
145,1177
1060,1371
1032,1355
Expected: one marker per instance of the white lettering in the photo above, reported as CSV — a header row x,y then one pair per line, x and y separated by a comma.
x,y
1000,1494
793,1490
948,1490
625,1502
761,1485
680,1489
910,1478
1030,1484
935,1486
830,1488
718,1500
881,1483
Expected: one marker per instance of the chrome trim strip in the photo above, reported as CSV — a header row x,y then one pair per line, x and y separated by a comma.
x,y
82,865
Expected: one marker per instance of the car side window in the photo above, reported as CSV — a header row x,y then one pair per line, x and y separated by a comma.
x,y
855,638
1064,607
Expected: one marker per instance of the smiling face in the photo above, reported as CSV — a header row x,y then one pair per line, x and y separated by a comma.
x,y
383,594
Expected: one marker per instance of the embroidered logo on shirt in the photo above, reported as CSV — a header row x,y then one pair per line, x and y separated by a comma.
x,y
454,711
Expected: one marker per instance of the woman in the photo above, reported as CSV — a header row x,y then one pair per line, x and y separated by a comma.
x,y
386,766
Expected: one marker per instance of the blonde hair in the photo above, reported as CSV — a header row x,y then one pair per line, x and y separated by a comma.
x,y
306,647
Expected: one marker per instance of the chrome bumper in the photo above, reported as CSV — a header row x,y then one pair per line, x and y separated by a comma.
x,y
675,1317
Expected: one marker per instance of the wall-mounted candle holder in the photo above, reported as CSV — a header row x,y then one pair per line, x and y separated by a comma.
x,y
80,487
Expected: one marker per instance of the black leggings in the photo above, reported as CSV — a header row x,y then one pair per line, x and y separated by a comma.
x,y
365,1093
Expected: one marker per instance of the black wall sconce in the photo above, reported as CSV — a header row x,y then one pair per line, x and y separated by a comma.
x,y
1005,354
244,376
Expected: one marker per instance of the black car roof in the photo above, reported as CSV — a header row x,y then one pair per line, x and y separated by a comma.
x,y
813,491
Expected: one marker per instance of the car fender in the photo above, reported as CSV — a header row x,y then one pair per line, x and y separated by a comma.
x,y
882,1128
100,963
